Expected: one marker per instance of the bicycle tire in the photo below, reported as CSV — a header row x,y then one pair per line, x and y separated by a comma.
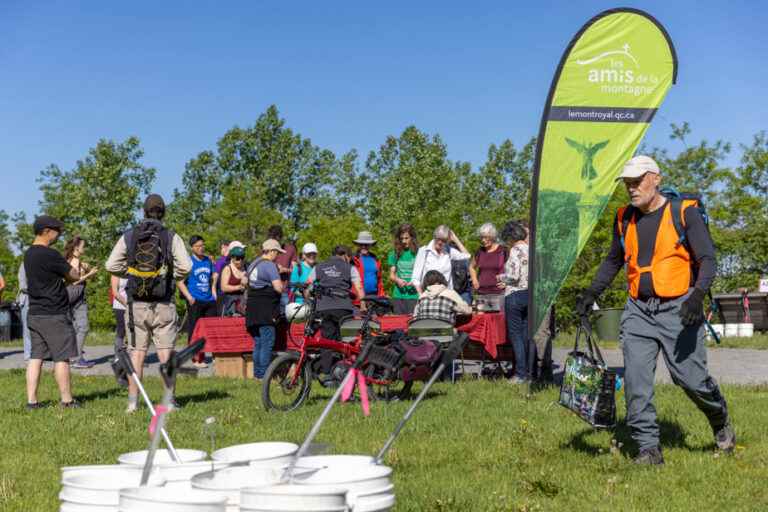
x,y
274,381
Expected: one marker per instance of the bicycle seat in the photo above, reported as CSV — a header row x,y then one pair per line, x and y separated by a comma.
x,y
380,301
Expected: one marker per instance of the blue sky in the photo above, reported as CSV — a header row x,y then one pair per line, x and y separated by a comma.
x,y
345,75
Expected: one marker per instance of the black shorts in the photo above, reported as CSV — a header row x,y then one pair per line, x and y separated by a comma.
x,y
53,337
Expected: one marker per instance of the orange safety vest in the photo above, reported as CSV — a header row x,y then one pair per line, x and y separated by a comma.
x,y
671,264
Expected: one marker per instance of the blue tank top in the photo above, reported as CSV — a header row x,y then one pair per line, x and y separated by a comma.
x,y
199,279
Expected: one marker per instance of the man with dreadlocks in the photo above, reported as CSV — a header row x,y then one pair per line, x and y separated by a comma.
x,y
151,257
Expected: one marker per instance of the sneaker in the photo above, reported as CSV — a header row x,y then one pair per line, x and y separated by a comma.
x,y
33,406
649,457
132,407
200,365
517,380
72,404
174,405
82,364
725,438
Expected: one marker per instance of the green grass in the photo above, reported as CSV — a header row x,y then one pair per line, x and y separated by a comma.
x,y
476,445
759,342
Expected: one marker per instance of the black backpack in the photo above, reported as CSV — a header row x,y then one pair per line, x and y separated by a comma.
x,y
150,262
460,275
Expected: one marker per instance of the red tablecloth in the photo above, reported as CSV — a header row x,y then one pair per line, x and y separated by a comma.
x,y
229,335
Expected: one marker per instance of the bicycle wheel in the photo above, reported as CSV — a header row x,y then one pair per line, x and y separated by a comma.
x,y
395,390
277,392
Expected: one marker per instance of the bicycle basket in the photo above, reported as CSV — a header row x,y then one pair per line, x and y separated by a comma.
x,y
385,357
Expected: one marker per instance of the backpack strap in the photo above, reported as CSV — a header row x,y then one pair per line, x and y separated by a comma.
x,y
676,204
623,216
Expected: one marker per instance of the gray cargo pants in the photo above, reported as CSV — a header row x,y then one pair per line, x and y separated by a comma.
x,y
646,328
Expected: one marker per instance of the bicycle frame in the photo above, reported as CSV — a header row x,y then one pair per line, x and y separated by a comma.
x,y
315,342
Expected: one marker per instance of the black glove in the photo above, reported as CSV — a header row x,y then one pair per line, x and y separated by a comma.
x,y
584,302
692,309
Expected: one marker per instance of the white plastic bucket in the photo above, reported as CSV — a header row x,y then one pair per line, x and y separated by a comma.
x,y
148,499
746,330
270,452
294,498
375,503
162,457
71,470
344,461
228,482
731,330
357,479
380,499
83,490
179,476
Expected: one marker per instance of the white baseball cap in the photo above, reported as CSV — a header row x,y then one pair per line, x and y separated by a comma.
x,y
234,244
639,165
309,248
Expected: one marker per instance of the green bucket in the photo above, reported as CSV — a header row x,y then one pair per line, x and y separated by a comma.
x,y
608,323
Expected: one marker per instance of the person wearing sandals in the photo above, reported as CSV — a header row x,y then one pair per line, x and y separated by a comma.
x,y
233,282
50,318
400,261
73,253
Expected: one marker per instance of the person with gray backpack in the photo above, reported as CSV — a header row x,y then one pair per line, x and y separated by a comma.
x,y
153,258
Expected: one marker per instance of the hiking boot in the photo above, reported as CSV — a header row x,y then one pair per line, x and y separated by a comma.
x,y
72,404
725,438
649,457
31,406
82,364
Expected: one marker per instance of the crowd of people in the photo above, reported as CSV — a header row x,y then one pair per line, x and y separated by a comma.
x,y
661,240
437,280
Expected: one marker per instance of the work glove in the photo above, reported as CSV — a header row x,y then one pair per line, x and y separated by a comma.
x,y
584,302
692,308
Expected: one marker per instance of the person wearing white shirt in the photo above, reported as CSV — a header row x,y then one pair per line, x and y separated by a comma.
x,y
437,255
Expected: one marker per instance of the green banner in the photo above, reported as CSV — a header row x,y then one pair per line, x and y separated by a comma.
x,y
611,79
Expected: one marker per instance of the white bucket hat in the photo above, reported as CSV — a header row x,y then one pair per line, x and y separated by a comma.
x,y
365,238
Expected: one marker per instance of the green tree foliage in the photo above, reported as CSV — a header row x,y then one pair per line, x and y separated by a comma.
x,y
9,262
296,178
269,174
98,200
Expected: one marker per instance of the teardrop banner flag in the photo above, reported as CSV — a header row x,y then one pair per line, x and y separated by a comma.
x,y
609,84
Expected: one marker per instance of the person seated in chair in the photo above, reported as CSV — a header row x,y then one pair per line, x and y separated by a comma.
x,y
335,278
438,301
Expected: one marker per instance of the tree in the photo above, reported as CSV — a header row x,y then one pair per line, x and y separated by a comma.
x,y
98,200
410,179
100,197
296,178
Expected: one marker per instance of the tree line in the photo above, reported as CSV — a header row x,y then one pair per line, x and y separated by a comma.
x,y
268,174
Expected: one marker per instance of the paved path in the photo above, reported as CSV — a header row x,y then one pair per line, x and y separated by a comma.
x,y
733,366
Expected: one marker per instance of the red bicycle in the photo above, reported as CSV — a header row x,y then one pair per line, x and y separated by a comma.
x,y
288,380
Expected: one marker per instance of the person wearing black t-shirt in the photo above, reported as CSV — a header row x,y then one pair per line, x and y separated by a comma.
x,y
50,321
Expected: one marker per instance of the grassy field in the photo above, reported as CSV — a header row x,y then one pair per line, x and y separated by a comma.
x,y
476,445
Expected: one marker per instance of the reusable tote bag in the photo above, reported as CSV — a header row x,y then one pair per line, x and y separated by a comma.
x,y
589,387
